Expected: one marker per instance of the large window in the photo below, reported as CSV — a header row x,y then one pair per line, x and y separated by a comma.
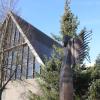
x,y
18,55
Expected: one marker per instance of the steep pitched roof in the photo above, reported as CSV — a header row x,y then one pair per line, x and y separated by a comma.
x,y
40,44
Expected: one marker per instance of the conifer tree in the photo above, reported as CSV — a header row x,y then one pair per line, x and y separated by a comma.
x,y
94,89
69,22
5,7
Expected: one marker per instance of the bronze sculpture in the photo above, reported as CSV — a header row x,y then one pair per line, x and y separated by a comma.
x,y
75,50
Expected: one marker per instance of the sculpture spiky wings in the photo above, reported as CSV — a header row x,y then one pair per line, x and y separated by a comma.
x,y
75,50
85,38
79,46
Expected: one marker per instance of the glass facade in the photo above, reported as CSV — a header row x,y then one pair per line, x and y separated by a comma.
x,y
17,57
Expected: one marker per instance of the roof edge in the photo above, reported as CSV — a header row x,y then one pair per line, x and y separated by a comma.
x,y
27,41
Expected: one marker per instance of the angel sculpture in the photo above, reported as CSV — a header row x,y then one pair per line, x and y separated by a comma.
x,y
75,50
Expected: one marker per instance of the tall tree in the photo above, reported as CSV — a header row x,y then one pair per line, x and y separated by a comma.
x,y
5,7
69,22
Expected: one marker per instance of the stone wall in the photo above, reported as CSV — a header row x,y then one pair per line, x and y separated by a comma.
x,y
19,90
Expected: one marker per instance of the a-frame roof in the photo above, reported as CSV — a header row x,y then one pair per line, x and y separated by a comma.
x,y
40,44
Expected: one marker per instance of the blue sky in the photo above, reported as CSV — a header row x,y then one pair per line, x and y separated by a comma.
x,y
46,16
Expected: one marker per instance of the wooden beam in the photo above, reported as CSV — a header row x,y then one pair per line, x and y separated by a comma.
x,y
17,46
2,56
12,27
27,64
22,62
12,62
16,65
6,73
33,67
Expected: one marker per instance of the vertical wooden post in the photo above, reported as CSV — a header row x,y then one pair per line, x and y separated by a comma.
x,y
27,63
13,31
33,67
2,56
22,62
6,73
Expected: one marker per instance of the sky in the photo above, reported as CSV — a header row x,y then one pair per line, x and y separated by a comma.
x,y
46,16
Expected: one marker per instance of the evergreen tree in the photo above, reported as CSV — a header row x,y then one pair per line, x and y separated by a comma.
x,y
94,89
69,22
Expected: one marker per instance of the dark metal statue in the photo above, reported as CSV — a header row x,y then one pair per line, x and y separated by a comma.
x,y
75,49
